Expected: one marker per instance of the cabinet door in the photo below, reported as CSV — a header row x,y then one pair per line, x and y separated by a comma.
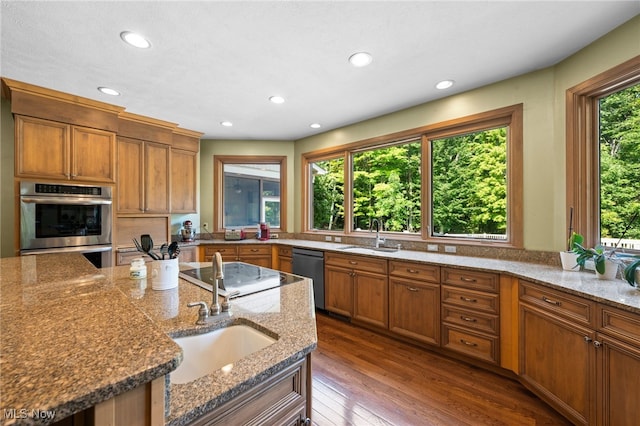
x,y
130,172
42,148
338,290
415,310
618,382
156,178
93,155
557,360
371,296
184,165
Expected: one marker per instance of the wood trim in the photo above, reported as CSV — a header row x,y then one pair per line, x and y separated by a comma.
x,y
218,184
145,128
511,116
583,186
509,314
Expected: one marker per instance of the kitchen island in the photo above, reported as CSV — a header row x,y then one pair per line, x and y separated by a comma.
x,y
74,336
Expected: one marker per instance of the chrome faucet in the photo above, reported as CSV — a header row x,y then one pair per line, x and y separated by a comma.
x,y
218,281
379,239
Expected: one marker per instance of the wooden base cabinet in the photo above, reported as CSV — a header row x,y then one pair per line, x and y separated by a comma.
x,y
283,399
357,287
414,301
557,354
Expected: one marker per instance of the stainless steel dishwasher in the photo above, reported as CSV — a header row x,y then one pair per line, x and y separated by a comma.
x,y
310,264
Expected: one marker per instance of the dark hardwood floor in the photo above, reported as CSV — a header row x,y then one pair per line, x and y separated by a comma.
x,y
363,378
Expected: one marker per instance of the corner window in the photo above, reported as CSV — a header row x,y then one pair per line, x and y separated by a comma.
x,y
603,157
249,190
327,194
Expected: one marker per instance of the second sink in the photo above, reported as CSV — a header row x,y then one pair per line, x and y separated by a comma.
x,y
369,250
218,349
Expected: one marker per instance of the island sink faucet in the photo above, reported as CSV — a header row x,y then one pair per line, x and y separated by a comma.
x,y
218,282
379,239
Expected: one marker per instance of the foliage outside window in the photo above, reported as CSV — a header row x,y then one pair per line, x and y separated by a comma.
x,y
327,194
249,190
466,185
619,139
387,185
469,185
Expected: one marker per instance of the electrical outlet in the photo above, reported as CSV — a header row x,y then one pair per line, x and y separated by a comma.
x,y
327,237
432,247
205,225
449,249
338,239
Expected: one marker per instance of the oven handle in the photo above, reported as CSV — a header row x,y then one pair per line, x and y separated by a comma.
x,y
66,201
79,249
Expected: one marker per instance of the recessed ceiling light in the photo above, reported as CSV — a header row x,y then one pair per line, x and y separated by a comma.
x,y
108,91
135,39
277,99
444,84
360,59
315,125
226,123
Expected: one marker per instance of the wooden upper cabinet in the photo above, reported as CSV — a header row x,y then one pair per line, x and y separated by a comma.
x,y
52,150
130,170
93,155
156,175
184,166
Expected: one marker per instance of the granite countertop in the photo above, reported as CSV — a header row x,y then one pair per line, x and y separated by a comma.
x,y
617,293
285,312
74,336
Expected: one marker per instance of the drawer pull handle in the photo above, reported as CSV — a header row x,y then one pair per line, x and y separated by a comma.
x,y
588,339
468,280
464,342
255,250
551,301
467,319
352,262
412,289
412,271
466,299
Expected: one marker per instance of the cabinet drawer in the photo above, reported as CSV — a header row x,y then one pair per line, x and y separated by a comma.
x,y
362,263
470,343
470,299
620,324
574,308
285,251
469,319
474,280
414,271
254,250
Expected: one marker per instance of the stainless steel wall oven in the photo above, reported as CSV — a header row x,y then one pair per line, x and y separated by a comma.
x,y
66,218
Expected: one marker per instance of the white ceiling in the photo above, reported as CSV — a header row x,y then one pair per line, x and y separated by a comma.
x,y
212,61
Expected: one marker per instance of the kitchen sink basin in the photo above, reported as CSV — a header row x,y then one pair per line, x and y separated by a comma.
x,y
219,349
369,250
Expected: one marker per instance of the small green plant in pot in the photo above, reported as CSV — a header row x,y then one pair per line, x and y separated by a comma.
x,y
631,270
598,254
569,257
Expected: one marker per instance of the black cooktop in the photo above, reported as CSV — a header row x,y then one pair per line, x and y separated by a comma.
x,y
240,277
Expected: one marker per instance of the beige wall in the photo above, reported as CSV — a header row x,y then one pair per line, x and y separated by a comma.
x,y
209,148
542,94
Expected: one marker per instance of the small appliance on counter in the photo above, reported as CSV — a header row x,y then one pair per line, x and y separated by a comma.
x,y
187,232
264,233
234,234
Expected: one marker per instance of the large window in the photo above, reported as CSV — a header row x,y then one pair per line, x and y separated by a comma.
x,y
249,190
469,185
458,180
603,157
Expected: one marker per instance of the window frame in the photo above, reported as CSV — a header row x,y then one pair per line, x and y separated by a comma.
x,y
582,146
218,184
511,116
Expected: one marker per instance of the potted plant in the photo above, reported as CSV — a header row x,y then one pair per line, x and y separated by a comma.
x,y
569,257
605,262
631,272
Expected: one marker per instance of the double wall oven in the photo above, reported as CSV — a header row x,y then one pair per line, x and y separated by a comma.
x,y
56,218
